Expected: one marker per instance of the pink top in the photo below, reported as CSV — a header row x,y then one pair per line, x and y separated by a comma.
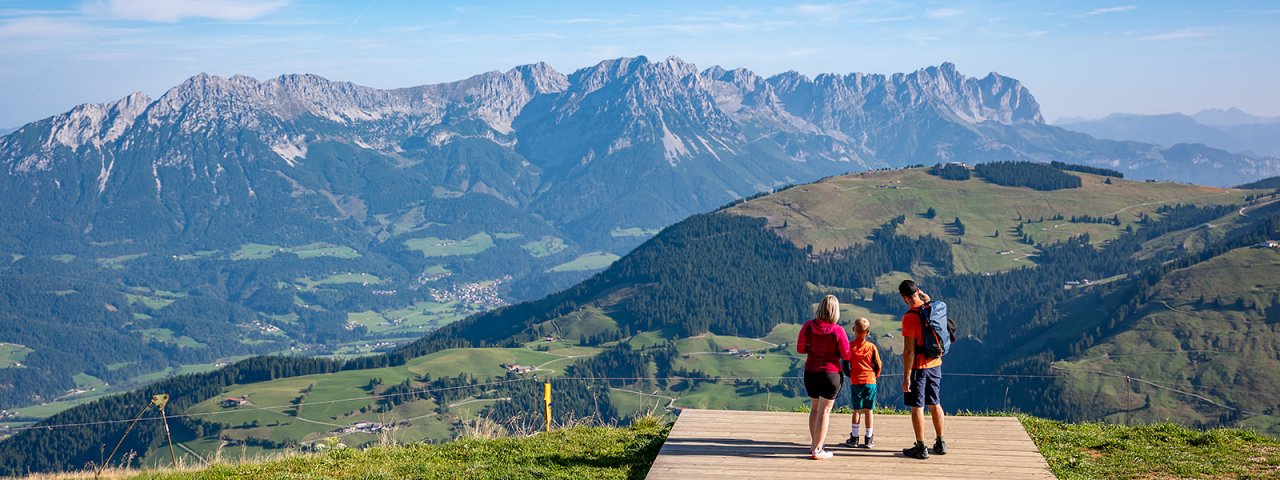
x,y
826,343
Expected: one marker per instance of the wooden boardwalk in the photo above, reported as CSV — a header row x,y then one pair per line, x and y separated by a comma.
x,y
729,444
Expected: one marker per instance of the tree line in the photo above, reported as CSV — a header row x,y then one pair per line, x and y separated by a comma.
x,y
1106,172
1033,175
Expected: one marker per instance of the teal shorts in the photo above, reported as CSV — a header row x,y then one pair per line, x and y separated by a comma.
x,y
863,397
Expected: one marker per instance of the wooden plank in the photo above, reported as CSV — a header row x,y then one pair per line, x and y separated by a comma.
x,y
726,443
850,471
829,469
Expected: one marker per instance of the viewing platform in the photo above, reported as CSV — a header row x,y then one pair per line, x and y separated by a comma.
x,y
743,444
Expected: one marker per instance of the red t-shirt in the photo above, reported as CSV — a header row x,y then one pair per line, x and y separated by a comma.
x,y
825,343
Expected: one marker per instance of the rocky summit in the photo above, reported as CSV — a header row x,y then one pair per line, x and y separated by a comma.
x,y
630,138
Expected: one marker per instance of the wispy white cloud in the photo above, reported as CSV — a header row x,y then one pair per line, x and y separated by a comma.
x,y
34,12
804,51
503,38
40,27
855,12
586,20
700,27
419,27
1106,10
1027,34
923,39
899,18
1178,35
943,12
819,9
169,11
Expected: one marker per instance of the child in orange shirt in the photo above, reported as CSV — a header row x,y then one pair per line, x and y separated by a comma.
x,y
864,368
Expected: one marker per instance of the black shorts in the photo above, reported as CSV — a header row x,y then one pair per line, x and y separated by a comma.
x,y
926,387
823,384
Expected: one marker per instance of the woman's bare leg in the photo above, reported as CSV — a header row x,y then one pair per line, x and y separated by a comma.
x,y
813,422
823,420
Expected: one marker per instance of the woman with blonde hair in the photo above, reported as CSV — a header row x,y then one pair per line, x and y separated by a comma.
x,y
826,344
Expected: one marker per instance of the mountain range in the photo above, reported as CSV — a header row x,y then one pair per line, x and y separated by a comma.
x,y
236,216
625,143
1232,130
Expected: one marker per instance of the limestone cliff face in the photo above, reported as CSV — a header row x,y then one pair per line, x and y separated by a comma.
x,y
630,138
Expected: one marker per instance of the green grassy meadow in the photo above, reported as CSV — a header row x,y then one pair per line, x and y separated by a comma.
x,y
310,283
412,320
584,322
259,251
633,232
573,453
1203,329
586,262
12,354
441,247
1156,451
545,246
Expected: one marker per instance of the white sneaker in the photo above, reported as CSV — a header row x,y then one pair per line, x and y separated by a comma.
x,y
821,455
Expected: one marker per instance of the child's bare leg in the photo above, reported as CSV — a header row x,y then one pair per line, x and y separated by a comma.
x,y
856,417
868,415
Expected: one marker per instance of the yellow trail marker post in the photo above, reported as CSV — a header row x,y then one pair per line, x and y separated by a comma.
x,y
546,396
160,401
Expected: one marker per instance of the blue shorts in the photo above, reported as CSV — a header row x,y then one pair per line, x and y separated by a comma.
x,y
926,387
862,397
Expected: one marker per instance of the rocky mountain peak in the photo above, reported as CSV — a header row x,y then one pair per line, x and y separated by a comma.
x,y
837,101
96,123
243,98
540,78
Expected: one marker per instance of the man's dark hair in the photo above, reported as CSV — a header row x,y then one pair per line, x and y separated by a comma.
x,y
908,288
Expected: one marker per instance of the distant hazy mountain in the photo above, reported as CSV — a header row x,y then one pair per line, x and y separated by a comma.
x,y
1231,130
1230,116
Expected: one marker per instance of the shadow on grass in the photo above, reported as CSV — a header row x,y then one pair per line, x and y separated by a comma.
x,y
637,458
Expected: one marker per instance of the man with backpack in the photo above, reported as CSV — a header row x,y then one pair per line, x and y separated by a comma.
x,y
925,338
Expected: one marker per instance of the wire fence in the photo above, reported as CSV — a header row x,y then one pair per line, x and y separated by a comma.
x,y
1059,372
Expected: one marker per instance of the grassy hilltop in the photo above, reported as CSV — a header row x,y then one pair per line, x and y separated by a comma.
x,y
842,211
1187,323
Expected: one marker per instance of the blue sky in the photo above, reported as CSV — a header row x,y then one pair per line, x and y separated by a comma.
x,y
1080,58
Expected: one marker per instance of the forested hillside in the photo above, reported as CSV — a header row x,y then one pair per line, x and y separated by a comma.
x,y
701,315
234,216
1264,184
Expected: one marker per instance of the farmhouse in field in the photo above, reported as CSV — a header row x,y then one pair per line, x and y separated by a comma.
x,y
519,369
234,402
363,427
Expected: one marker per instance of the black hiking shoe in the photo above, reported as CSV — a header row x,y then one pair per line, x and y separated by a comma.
x,y
918,451
939,447
852,442
869,442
